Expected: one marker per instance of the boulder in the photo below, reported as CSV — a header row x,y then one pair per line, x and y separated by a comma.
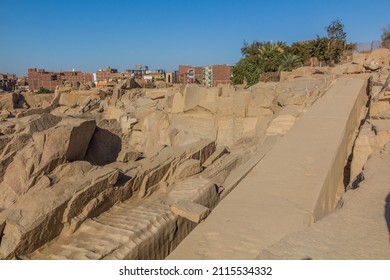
x,y
86,200
7,127
359,58
193,95
42,123
155,133
190,210
261,103
4,140
84,86
241,100
175,103
34,111
104,147
160,84
191,127
219,152
145,106
160,167
126,122
372,65
380,57
305,71
128,154
19,101
338,70
231,130
111,125
6,102
210,103
224,164
187,168
15,144
89,103
67,141
119,90
41,214
354,69
156,93
4,114
371,139
63,89
70,99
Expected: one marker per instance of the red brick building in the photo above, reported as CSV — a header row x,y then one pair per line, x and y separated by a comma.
x,y
209,75
221,75
39,78
198,73
105,75
76,76
7,82
184,70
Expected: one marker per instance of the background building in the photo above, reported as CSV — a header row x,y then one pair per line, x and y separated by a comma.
x,y
7,82
39,78
105,75
221,75
184,71
206,75
171,77
154,76
138,72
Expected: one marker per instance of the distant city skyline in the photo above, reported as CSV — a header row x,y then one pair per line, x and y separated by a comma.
x,y
90,35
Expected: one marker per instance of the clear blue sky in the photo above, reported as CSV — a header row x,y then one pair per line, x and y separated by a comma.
x,y
92,34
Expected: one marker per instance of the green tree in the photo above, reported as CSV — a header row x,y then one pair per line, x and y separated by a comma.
x,y
265,58
246,70
336,41
336,31
251,49
386,37
258,58
320,49
270,55
303,49
289,62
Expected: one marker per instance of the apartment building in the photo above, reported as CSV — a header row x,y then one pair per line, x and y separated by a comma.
x,y
7,82
40,78
213,75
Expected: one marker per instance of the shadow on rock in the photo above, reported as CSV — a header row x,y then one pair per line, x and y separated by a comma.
x,y
387,212
104,147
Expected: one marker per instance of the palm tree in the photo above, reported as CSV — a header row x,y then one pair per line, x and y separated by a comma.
x,y
289,62
270,55
270,47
